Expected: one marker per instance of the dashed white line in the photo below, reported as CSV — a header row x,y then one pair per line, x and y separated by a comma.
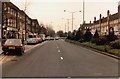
x,y
61,58
69,77
58,50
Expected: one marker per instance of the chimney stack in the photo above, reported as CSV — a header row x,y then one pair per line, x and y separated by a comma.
x,y
90,22
108,13
94,18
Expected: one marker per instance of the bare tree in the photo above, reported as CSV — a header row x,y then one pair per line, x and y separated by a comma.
x,y
25,4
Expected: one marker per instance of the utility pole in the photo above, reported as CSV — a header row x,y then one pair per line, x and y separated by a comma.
x,y
72,21
65,27
68,24
72,16
83,10
108,20
100,24
0,23
119,19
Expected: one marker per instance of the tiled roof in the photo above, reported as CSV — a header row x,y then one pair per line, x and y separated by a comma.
x,y
112,17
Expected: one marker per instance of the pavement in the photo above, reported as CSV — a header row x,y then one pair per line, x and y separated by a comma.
x,y
27,48
60,59
1,50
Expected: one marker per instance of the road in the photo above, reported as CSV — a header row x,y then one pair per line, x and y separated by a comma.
x,y
61,59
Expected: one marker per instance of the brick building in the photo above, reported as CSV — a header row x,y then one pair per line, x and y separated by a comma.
x,y
9,20
85,26
104,23
15,23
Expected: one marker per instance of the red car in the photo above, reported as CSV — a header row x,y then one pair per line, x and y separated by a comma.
x,y
14,46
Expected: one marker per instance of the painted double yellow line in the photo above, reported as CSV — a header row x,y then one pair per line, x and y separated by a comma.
x,y
6,58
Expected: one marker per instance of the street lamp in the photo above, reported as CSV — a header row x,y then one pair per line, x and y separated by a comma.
x,y
72,15
67,24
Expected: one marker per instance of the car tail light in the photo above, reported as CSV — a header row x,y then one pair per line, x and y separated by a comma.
x,y
4,46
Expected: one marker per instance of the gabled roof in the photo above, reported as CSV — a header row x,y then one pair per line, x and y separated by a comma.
x,y
114,16
104,19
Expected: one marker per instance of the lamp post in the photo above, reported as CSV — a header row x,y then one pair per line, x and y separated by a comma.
x,y
1,23
68,20
68,24
72,15
64,23
100,23
119,19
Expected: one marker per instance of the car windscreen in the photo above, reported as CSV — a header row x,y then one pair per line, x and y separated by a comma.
x,y
16,42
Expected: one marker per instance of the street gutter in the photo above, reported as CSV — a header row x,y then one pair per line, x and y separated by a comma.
x,y
93,49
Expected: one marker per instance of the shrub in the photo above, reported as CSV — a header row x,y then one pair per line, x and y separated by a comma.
x,y
102,40
81,40
87,36
95,37
79,35
115,44
112,38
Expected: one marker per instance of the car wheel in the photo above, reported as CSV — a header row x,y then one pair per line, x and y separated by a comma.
x,y
20,52
23,51
4,53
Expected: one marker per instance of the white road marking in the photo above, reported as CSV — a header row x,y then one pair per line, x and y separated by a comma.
x,y
61,58
58,50
69,77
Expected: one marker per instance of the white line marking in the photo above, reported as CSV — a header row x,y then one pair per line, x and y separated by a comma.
x,y
69,77
58,50
61,58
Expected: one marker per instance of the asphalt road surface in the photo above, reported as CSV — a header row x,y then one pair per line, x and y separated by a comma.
x,y
61,59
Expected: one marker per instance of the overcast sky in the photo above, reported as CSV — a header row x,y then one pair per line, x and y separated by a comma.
x,y
51,12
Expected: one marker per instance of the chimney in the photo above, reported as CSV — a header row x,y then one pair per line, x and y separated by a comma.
x,y
94,18
100,16
90,22
84,22
108,13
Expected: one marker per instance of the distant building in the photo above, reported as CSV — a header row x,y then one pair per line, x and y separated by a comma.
x,y
103,24
85,26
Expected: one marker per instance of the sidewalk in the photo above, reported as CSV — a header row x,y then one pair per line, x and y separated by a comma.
x,y
27,47
1,50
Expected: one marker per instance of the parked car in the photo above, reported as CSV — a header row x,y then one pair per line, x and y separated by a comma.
x,y
39,40
51,38
14,46
47,38
31,41
42,37
56,38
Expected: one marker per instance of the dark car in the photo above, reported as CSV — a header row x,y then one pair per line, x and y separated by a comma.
x,y
14,46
